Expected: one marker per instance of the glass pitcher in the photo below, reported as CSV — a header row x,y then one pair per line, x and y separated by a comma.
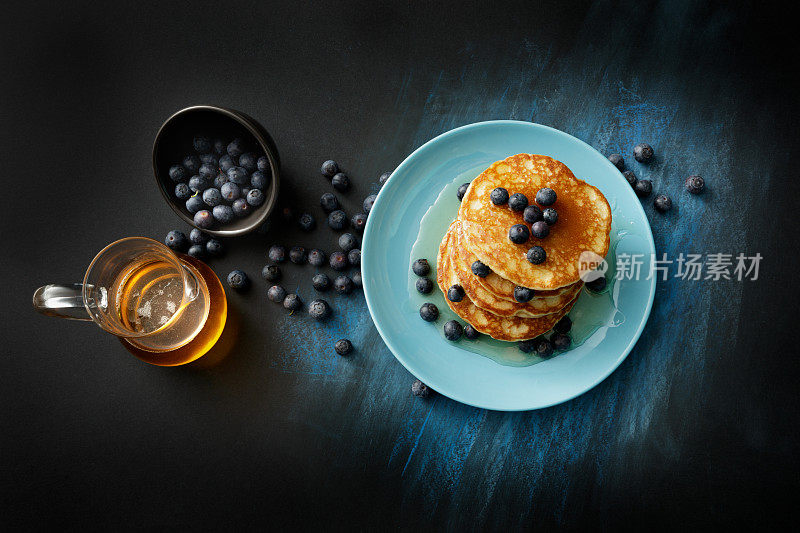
x,y
137,289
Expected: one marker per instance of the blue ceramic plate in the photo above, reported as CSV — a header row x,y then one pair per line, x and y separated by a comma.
x,y
458,370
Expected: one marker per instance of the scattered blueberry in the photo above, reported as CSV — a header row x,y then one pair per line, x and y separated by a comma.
x,y
455,293
177,173
368,203
214,247
329,202
424,285
319,309
191,163
617,160
222,213
421,267
306,222
695,184
316,257
527,346
292,302
544,348
277,253
199,183
177,241
429,312
297,255
356,277
347,242
420,390
235,148
276,294
271,272
630,177
359,221
560,341
563,325
238,280
550,216
202,144
546,196
195,204
198,251
523,294
219,147
258,180
182,191
462,190
338,261
241,208
354,257
343,284
540,229
532,213
480,269
262,164
248,161
453,330
518,202
208,171
519,234
499,196
343,347
203,219
198,237
340,182
212,197
287,214
384,178
226,163
643,152
536,255
238,175
329,169
643,188
597,285
337,219
255,197
471,333
321,282
662,203
230,191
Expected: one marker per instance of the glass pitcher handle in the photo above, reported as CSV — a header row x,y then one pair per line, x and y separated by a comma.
x,y
63,301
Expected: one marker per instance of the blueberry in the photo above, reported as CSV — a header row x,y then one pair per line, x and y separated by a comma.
x,y
329,169
384,178
518,202
347,242
523,294
550,216
219,147
695,184
471,333
337,219
544,348
338,261
306,222
258,180
212,197
527,346
241,208
643,188
519,234
420,390
343,284
177,173
248,161
215,248
643,152
211,159
287,214
420,267
424,285
298,255
182,191
230,191
271,273
191,163
617,160
354,257
540,229
597,285
245,192
277,253
453,330
292,302
321,282
195,204
202,144
255,197
197,251
369,201
455,293
220,180
630,177
238,280
223,213
263,163
359,221
662,203
198,237
536,255
316,257
429,312
199,183
319,309
235,148
226,163
340,182
560,341
499,196
238,175
545,196
276,294
356,277
480,269
329,202
177,241
343,347
462,190
563,325
203,219
208,171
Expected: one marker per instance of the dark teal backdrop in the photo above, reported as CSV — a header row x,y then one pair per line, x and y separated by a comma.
x,y
697,427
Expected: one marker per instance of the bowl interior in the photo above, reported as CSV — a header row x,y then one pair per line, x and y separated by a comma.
x,y
174,142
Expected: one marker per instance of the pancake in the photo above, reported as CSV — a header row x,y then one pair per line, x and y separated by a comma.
x,y
540,305
502,328
584,221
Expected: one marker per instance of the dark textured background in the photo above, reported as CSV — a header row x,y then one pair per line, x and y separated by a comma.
x,y
698,426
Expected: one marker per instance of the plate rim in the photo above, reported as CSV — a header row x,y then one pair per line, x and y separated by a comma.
x,y
365,249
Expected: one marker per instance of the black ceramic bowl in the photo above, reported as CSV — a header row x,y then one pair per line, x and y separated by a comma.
x,y
174,142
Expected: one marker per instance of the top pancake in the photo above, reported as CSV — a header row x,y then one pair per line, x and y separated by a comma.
x,y
584,221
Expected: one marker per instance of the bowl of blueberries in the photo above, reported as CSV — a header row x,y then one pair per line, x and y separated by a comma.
x,y
218,169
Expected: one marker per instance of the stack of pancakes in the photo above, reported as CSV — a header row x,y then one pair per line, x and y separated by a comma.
x,y
480,233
